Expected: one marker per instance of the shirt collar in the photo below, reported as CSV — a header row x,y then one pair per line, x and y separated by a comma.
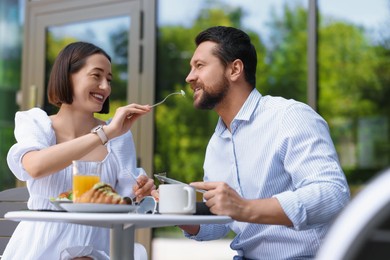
x,y
244,114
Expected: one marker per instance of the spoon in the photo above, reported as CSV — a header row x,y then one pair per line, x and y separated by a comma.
x,y
181,92
147,205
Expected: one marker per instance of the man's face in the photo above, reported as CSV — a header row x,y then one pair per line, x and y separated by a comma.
x,y
207,77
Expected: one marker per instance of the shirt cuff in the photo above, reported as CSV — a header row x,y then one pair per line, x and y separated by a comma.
x,y
293,208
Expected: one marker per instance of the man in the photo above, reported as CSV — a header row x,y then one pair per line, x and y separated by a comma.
x,y
270,165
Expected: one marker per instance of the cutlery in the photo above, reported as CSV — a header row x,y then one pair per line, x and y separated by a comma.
x,y
147,205
181,92
161,177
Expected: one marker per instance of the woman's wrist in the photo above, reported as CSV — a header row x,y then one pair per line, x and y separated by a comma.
x,y
99,131
107,132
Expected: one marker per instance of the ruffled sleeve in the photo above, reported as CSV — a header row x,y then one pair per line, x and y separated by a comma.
x,y
33,132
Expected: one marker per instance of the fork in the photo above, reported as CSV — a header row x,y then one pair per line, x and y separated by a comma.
x,y
181,92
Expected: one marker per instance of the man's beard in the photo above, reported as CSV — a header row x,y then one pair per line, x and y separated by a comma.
x,y
209,100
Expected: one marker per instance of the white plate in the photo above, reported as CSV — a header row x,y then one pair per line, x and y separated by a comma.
x,y
98,208
56,203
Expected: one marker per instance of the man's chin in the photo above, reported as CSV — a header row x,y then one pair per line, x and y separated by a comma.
x,y
203,106
197,106
197,103
204,103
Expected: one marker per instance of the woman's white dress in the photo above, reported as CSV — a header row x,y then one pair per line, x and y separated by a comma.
x,y
49,240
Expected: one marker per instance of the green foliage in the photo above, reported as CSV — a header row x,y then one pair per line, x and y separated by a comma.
x,y
347,64
119,40
182,132
287,55
7,140
354,86
114,104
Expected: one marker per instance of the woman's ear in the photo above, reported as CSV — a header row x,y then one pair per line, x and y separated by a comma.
x,y
236,70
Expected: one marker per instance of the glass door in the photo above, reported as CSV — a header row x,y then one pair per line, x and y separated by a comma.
x,y
125,29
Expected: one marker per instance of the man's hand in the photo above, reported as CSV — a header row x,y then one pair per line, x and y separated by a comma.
x,y
222,199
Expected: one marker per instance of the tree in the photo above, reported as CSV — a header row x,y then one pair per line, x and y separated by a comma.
x,y
287,55
182,133
353,88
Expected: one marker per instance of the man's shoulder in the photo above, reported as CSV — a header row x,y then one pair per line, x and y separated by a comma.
x,y
281,103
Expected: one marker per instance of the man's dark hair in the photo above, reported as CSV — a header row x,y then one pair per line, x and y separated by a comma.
x,y
69,61
232,44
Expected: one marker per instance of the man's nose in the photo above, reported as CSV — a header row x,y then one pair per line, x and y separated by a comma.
x,y
190,77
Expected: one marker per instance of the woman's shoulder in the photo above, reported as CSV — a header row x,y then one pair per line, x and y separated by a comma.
x,y
34,120
33,114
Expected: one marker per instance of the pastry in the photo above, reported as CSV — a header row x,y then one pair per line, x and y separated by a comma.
x,y
102,193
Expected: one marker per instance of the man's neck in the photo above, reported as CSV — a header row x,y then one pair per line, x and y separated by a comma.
x,y
231,105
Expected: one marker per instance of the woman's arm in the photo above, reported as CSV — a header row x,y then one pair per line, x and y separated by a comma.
x,y
57,157
41,163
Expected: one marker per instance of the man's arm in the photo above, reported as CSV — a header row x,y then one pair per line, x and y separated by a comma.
x,y
223,200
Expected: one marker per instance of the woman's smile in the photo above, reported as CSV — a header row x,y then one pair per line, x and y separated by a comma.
x,y
98,97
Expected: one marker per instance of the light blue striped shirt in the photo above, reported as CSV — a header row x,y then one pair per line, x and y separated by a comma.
x,y
277,148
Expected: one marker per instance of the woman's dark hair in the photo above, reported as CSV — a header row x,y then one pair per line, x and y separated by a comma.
x,y
69,61
232,44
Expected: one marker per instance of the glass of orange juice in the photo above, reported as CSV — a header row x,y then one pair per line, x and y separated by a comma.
x,y
85,175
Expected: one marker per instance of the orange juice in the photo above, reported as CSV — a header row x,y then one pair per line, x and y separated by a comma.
x,y
83,183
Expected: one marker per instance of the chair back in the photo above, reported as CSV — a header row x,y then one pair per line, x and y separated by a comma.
x,y
10,200
362,230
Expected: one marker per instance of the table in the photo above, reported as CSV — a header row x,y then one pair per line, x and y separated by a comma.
x,y
122,225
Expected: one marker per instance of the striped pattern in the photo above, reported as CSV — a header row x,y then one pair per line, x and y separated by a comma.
x,y
278,148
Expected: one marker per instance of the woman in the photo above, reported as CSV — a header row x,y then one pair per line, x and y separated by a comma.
x,y
79,85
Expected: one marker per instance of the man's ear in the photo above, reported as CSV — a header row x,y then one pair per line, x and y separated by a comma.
x,y
236,70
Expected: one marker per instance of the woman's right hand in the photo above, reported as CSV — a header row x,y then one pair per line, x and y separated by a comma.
x,y
124,118
155,194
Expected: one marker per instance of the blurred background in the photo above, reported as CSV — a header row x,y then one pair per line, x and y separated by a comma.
x,y
333,55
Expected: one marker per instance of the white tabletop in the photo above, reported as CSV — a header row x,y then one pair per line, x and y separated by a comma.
x,y
110,219
122,225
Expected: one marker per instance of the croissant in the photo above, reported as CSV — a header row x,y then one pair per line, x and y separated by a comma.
x,y
102,193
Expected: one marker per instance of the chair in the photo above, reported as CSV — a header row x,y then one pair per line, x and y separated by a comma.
x,y
10,200
362,230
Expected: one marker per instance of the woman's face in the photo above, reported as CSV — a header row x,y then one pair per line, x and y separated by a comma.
x,y
92,84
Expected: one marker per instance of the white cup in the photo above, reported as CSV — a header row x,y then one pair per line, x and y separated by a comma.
x,y
176,199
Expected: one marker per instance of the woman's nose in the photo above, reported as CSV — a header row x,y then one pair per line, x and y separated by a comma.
x,y
105,84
